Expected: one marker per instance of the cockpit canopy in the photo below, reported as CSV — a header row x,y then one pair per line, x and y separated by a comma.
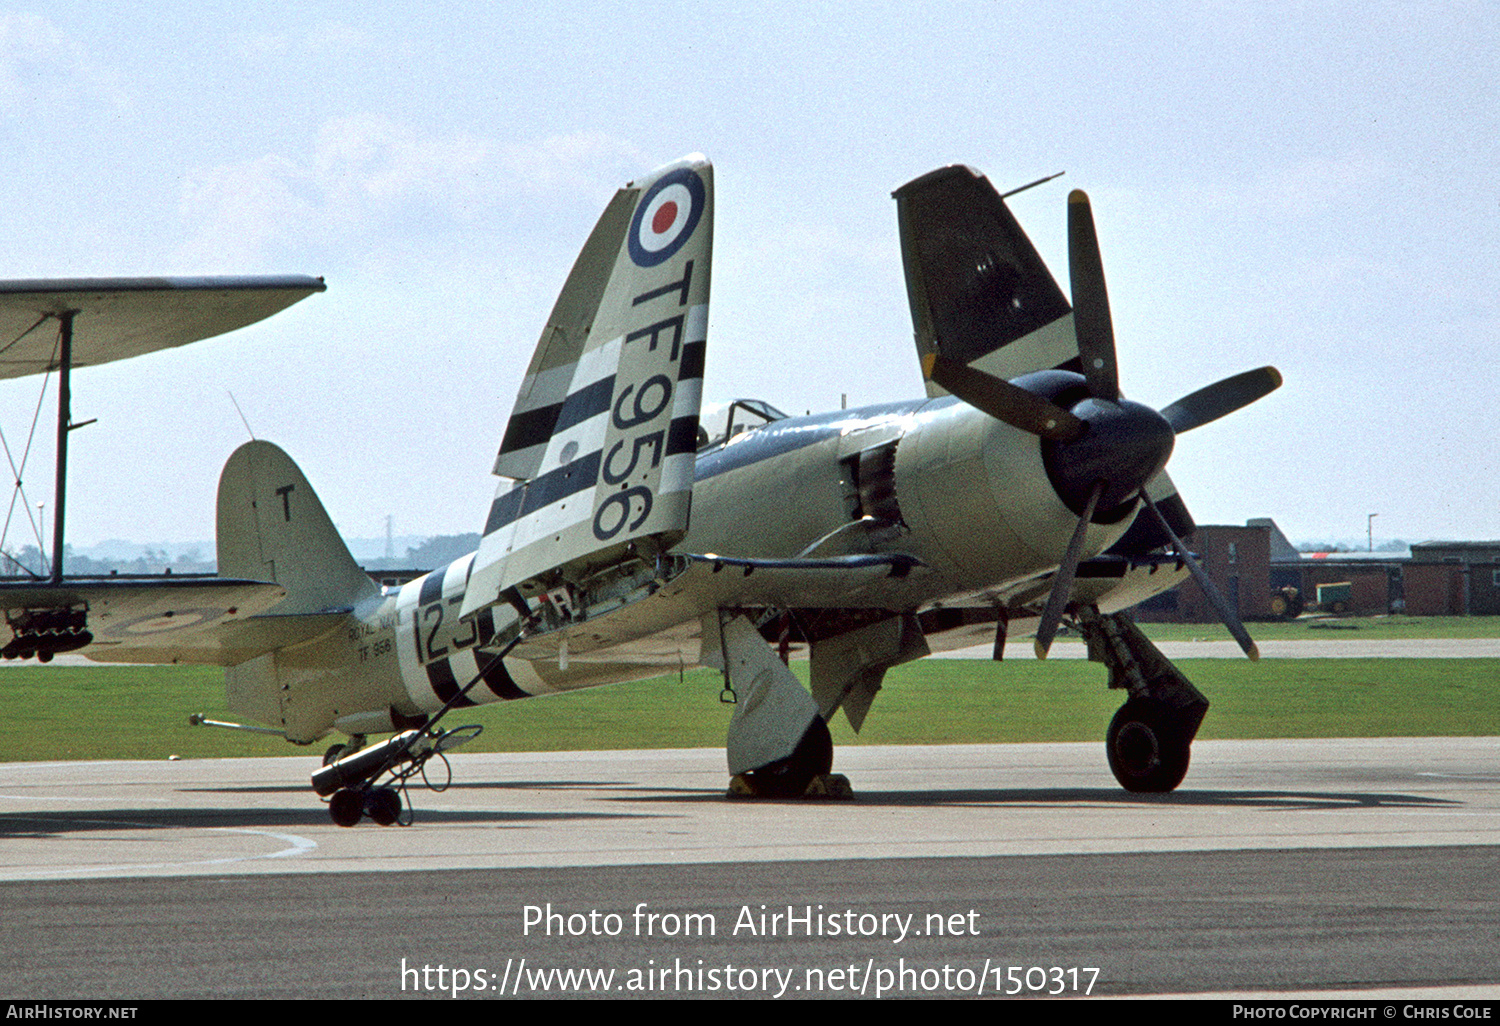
x,y
719,422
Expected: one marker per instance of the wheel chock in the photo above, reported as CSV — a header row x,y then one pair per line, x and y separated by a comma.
x,y
834,786
827,786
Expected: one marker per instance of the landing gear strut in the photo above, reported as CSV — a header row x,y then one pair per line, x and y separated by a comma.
x,y
1150,739
338,751
778,745
798,775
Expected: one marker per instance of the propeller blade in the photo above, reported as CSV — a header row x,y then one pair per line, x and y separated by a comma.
x,y
1215,598
1091,320
1211,403
1003,401
1062,582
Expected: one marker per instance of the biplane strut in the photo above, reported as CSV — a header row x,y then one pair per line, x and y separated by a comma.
x,y
101,320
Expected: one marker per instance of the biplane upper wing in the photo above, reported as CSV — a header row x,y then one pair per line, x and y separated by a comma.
x,y
137,619
601,443
117,318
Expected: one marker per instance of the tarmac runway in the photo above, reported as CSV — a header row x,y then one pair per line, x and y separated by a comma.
x,y
1292,867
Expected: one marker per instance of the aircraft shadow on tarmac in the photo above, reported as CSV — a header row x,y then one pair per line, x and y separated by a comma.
x,y
38,825
41,825
416,789
1037,797
1268,800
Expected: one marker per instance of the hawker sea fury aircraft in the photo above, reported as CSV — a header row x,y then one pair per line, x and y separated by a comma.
x,y
633,533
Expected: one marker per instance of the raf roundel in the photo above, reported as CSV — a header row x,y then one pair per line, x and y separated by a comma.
x,y
665,217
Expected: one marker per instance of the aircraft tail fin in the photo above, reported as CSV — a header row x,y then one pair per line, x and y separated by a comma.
x,y
272,527
601,443
978,289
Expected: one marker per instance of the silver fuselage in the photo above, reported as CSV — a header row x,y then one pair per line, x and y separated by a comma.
x,y
962,492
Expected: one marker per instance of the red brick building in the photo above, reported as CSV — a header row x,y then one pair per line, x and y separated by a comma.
x,y
1237,560
1454,579
1250,563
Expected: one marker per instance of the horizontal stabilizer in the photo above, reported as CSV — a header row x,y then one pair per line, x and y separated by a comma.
x,y
117,318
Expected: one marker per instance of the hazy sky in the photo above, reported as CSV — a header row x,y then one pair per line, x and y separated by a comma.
x,y
1311,185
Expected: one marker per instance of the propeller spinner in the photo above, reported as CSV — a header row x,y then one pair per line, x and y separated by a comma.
x,y
1102,451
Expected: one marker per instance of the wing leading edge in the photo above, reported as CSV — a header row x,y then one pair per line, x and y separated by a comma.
x,y
118,318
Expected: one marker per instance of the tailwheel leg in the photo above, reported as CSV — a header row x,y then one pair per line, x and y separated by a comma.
x,y
336,752
803,774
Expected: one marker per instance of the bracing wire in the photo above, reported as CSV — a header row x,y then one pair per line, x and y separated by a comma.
x,y
18,472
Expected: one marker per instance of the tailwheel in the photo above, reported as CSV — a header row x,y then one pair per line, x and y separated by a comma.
x,y
336,752
384,805
1148,746
346,807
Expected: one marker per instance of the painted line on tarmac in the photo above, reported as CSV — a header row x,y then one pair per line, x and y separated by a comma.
x,y
296,846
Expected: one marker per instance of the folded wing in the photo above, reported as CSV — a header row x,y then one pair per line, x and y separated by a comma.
x,y
599,450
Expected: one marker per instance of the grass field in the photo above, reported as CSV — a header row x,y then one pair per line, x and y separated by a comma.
x,y
1314,628
120,712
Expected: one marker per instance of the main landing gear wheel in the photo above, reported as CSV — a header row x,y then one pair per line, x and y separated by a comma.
x,y
790,777
1148,750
